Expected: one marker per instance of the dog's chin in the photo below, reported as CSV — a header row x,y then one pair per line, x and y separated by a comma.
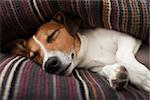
x,y
68,70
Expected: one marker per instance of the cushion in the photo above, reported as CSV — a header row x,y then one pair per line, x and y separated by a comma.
x,y
22,79
21,18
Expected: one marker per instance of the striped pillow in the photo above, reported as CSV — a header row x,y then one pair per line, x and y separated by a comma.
x,y
20,78
21,18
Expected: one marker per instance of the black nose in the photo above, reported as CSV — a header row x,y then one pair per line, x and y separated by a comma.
x,y
52,65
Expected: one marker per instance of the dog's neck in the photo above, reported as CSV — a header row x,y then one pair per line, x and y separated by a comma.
x,y
82,47
77,44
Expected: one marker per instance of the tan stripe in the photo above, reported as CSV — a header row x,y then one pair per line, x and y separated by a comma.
x,y
138,19
122,27
132,18
10,78
145,19
38,11
93,78
84,85
138,16
91,84
106,14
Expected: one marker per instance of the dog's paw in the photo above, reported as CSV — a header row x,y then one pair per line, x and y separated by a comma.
x,y
140,78
120,80
145,84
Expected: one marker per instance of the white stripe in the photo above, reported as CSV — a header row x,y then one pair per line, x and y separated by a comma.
x,y
43,49
37,9
40,44
4,71
84,85
10,78
29,4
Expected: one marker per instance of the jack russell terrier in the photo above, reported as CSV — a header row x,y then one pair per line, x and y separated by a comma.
x,y
59,47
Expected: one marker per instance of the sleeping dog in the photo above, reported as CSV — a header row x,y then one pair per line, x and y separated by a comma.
x,y
59,47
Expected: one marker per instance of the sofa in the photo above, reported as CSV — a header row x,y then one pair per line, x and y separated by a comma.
x,y
23,79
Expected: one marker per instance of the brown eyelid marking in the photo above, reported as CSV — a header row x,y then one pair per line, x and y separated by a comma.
x,y
53,35
50,32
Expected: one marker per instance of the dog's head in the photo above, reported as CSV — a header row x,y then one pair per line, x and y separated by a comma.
x,y
55,44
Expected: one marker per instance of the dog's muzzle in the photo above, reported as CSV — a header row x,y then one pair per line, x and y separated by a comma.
x,y
52,65
59,63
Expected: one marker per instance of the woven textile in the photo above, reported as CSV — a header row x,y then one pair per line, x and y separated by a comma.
x,y
131,16
21,18
21,79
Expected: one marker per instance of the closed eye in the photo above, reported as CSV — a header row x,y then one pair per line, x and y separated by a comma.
x,y
51,37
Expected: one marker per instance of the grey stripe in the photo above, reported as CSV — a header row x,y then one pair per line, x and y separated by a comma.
x,y
16,17
54,87
18,79
78,90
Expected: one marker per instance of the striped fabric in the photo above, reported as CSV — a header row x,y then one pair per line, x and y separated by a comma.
x,y
22,79
131,16
21,18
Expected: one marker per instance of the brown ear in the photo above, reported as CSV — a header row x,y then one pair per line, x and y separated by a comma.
x,y
71,22
19,47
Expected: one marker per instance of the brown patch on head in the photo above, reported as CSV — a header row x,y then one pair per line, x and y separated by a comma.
x,y
55,36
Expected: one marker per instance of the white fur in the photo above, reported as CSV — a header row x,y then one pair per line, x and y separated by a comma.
x,y
104,51
105,48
